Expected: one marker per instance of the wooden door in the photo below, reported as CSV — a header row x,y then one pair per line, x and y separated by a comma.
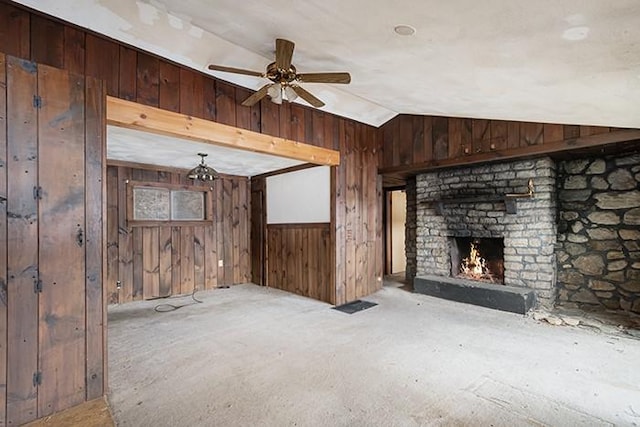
x,y
54,303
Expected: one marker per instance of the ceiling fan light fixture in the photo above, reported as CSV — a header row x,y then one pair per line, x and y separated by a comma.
x,y
202,172
275,93
290,93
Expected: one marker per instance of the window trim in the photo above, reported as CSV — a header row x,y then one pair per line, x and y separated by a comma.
x,y
208,204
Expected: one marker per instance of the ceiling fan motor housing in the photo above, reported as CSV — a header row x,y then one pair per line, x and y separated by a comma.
x,y
278,75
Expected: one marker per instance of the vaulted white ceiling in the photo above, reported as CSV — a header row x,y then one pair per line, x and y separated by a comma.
x,y
569,61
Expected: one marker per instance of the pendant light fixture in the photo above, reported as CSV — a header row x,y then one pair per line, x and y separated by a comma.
x,y
202,172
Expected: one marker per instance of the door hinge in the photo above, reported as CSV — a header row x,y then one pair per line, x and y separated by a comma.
x,y
37,192
37,286
80,237
37,101
37,378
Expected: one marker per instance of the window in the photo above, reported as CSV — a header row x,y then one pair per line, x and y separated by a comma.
x,y
158,203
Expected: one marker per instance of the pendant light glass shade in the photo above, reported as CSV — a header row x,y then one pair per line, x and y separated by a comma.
x,y
203,172
290,93
275,93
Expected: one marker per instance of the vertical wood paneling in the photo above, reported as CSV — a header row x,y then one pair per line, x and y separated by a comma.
x,y
247,117
553,133
198,258
112,261
571,131
258,222
351,201
339,188
299,259
235,230
244,219
150,262
3,241
191,93
225,103
592,130
165,249
209,94
227,230
531,134
481,134
148,80
169,97
455,138
47,41
74,50
513,134
318,137
130,78
128,73
137,244
428,139
406,140
390,131
499,134
269,118
61,349
187,267
22,238
95,215
419,147
296,123
125,238
174,260
308,126
440,138
14,31
102,62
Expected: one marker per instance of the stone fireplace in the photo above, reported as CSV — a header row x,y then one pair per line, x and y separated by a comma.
x,y
486,206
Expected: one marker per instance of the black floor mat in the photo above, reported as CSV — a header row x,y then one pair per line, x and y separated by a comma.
x,y
354,306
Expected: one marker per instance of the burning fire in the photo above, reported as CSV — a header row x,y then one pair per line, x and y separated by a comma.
x,y
475,267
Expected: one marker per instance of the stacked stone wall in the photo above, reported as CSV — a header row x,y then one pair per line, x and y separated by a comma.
x,y
598,249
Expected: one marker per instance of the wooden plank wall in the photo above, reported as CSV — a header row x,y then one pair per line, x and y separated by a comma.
x,y
421,142
298,259
258,230
135,75
175,260
3,238
51,251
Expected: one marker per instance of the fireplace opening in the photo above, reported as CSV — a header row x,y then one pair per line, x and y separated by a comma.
x,y
478,258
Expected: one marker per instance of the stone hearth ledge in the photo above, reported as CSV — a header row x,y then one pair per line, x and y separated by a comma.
x,y
499,297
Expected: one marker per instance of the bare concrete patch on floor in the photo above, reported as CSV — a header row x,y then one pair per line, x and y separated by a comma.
x,y
535,408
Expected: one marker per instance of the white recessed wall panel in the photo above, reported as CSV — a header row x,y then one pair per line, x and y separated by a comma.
x,y
299,197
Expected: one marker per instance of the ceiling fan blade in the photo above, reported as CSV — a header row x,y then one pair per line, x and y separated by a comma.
x,y
235,70
253,99
302,93
324,78
284,53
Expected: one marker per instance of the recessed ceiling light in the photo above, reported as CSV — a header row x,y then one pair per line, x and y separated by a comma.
x,y
404,30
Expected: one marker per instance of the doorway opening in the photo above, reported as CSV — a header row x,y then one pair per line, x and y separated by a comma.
x,y
396,216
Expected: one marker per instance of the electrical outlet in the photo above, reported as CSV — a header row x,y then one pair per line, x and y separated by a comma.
x,y
220,263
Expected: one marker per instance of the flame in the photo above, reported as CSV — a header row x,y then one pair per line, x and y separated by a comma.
x,y
475,266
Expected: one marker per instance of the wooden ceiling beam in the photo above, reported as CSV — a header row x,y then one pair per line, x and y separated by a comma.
x,y
150,119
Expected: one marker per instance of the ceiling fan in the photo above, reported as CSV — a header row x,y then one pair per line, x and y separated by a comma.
x,y
285,79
